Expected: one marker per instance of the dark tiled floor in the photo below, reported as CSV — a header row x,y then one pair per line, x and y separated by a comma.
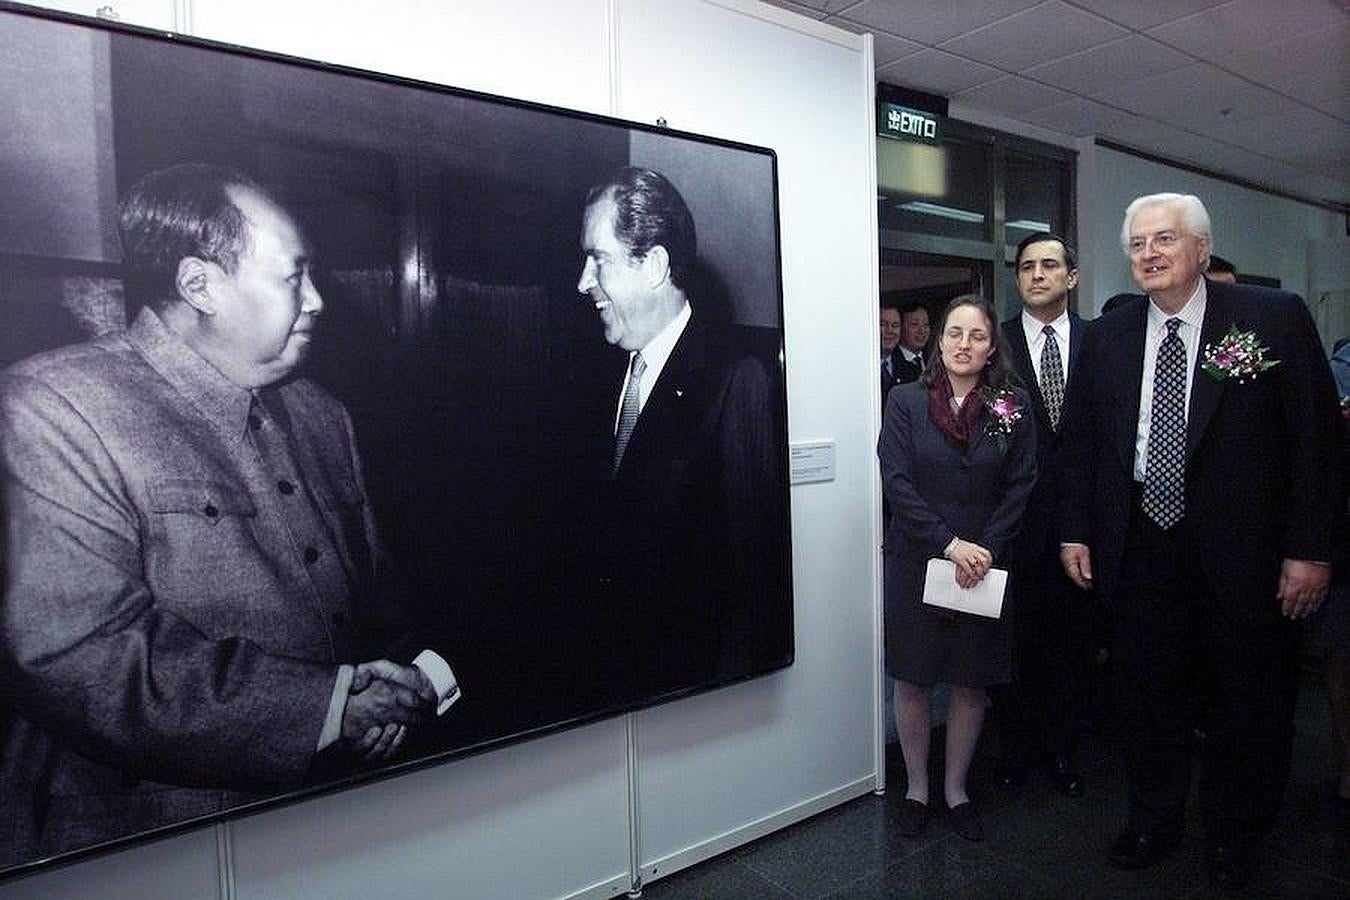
x,y
1037,843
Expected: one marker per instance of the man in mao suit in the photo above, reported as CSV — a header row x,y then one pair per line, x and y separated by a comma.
x,y
191,568
1200,507
692,538
1037,713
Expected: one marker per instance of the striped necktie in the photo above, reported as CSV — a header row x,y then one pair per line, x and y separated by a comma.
x,y
628,411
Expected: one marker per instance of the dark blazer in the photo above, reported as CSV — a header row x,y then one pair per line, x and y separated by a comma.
x,y
1260,486
938,490
903,371
695,549
1038,523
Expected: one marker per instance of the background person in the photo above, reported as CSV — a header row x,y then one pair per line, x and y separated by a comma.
x,y
1054,631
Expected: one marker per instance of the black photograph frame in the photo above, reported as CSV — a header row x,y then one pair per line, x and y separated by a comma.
x,y
476,334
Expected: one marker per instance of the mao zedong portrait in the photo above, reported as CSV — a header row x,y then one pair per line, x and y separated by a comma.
x,y
193,615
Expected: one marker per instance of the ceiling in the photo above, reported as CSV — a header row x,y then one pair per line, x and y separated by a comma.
x,y
1254,89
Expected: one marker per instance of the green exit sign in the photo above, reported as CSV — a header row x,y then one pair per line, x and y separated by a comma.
x,y
903,123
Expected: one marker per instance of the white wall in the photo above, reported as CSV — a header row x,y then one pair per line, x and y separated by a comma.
x,y
549,817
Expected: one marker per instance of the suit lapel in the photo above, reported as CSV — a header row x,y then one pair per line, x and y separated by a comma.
x,y
1016,338
1075,343
671,391
1130,365
1206,391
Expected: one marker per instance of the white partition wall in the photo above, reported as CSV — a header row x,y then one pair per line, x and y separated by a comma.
x,y
551,817
714,764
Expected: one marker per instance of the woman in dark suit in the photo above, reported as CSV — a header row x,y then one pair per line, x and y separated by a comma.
x,y
958,461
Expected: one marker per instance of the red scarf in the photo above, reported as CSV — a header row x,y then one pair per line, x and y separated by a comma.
x,y
957,425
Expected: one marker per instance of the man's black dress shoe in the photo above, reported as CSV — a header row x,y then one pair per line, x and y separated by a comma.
x,y
1135,849
1229,865
1064,775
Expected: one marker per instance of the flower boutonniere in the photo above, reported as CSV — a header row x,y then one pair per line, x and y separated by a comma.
x,y
1001,404
1238,355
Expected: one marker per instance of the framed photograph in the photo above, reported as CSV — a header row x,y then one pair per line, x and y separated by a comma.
x,y
350,424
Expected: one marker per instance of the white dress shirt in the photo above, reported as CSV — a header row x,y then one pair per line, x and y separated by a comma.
x,y
1034,329
1192,315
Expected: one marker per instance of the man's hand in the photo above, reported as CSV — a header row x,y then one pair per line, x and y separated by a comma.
x,y
1077,562
384,699
1303,587
972,562
408,677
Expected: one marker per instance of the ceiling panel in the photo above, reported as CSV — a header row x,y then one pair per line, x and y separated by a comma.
x,y
1077,116
823,6
802,9
1251,84
1282,62
886,48
1287,134
1238,26
1145,13
938,72
1012,95
1195,97
1038,35
1110,64
932,21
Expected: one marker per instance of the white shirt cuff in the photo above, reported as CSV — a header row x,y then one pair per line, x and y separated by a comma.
x,y
442,678
337,705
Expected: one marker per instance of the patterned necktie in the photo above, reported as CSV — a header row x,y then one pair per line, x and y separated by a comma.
x,y
1164,498
628,412
1052,377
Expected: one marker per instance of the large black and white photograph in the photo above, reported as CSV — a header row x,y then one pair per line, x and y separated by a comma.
x,y
349,424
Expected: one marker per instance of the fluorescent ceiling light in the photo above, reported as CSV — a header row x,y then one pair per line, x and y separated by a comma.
x,y
1029,225
946,212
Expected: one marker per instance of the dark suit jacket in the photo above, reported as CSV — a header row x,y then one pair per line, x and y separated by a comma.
x,y
1260,483
903,371
938,490
1038,532
695,550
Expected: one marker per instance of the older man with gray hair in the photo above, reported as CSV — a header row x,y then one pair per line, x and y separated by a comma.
x,y
1197,499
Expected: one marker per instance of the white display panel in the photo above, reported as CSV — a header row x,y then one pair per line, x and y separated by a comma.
x,y
723,762
540,819
171,869
555,53
161,14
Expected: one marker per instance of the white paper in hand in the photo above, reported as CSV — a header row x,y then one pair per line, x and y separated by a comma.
x,y
984,599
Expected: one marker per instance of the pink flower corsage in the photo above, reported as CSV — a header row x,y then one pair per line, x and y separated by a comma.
x,y
1237,355
1004,414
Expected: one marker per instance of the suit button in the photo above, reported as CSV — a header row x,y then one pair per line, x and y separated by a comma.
x,y
254,421
285,487
210,511
311,555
